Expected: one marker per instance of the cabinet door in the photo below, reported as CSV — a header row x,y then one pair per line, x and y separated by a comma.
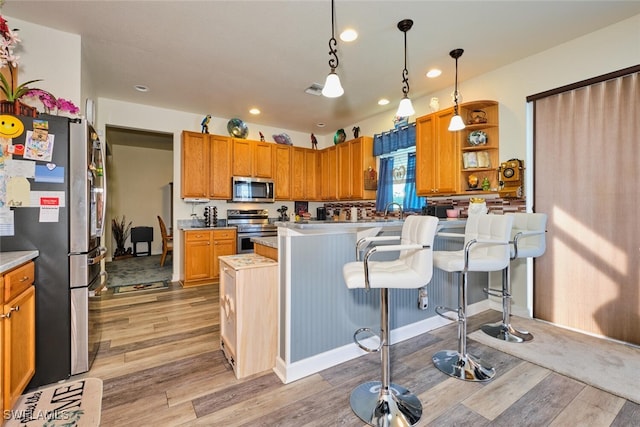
x,y
329,173
228,311
198,263
311,174
195,164
220,173
224,243
242,157
447,155
297,173
344,171
282,165
19,345
263,159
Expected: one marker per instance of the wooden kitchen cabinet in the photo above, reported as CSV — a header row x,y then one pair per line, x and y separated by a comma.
x,y
354,158
304,172
282,170
18,332
486,156
201,251
328,159
437,155
248,312
224,243
206,166
252,158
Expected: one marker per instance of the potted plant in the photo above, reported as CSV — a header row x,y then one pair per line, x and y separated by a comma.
x,y
121,230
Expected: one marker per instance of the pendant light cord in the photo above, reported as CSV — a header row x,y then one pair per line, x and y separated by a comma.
x,y
405,72
333,43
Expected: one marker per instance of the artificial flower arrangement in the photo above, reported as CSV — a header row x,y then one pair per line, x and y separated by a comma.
x,y
12,92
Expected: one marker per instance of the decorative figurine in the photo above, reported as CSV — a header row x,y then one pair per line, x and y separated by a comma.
x,y
486,184
434,104
261,136
314,142
205,123
356,131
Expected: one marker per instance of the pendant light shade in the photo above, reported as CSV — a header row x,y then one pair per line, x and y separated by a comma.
x,y
456,121
405,109
332,87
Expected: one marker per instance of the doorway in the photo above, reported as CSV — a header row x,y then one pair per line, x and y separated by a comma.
x,y
139,182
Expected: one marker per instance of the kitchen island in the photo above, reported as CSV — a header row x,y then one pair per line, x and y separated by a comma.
x,y
318,314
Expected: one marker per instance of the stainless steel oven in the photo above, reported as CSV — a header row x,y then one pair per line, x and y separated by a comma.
x,y
250,223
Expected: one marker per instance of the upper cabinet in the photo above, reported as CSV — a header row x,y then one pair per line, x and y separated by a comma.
x,y
354,157
206,170
479,145
252,158
437,155
304,173
282,171
329,173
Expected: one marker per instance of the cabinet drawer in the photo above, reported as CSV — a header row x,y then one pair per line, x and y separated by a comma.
x,y
198,236
18,280
224,234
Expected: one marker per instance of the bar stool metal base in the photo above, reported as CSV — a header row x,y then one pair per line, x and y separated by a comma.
x,y
463,367
393,408
507,333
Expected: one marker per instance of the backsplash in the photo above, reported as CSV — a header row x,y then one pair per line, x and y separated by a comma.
x,y
368,208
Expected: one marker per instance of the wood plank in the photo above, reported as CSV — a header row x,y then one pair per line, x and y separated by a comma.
x,y
592,407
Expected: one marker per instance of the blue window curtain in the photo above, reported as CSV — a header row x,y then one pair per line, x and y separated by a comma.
x,y
396,139
385,183
411,200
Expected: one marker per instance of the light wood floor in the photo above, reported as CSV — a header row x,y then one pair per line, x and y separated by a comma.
x,y
161,365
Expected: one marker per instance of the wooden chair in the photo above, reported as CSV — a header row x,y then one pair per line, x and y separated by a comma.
x,y
167,242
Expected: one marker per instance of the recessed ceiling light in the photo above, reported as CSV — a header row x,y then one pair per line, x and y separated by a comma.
x,y
141,88
348,35
254,111
383,101
434,72
320,125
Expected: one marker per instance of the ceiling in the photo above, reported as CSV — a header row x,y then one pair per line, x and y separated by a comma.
x,y
224,57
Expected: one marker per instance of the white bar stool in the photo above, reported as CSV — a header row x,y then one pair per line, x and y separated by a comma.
x,y
528,240
382,403
486,248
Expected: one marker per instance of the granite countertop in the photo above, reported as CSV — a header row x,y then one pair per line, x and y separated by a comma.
x,y
10,260
251,260
271,242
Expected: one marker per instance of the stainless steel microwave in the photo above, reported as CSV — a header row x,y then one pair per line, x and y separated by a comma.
x,y
249,189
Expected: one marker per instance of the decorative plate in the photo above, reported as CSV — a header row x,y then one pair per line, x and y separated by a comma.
x,y
477,137
237,128
340,136
282,138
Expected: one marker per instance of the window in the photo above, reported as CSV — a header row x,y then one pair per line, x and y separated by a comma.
x,y
397,181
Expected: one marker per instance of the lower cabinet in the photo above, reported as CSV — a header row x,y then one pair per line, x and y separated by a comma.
x,y
248,312
18,332
201,251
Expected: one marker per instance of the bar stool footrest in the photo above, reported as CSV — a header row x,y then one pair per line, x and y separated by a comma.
x,y
463,367
394,407
495,292
439,313
507,333
364,347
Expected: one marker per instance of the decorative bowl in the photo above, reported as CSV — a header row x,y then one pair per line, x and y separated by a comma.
x,y
282,138
477,137
237,128
453,213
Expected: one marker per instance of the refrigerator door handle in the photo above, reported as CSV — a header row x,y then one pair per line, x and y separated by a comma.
x,y
97,259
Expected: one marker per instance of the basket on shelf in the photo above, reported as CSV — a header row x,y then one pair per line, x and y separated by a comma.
x,y
17,108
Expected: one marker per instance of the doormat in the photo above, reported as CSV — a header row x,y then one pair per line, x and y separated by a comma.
x,y
73,403
141,287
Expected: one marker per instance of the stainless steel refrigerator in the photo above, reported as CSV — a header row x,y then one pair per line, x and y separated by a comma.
x,y
68,238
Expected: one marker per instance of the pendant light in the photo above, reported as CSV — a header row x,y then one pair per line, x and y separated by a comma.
x,y
332,87
405,109
456,121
